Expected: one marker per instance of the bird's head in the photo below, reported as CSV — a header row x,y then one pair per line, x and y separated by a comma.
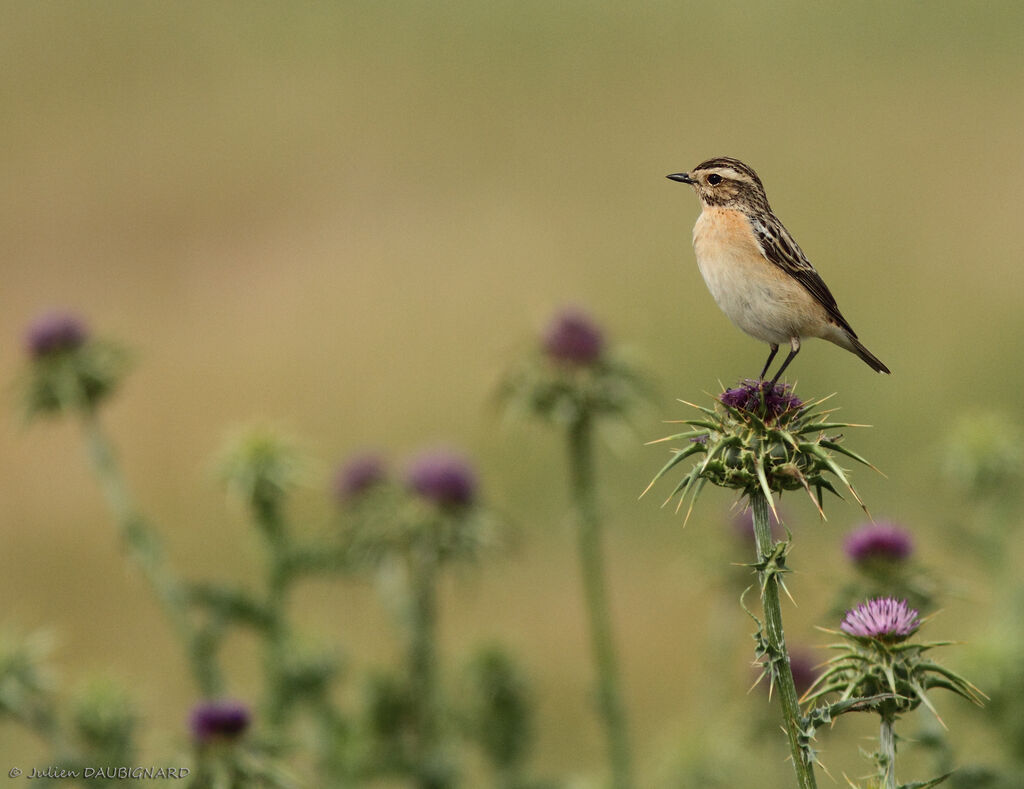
x,y
726,183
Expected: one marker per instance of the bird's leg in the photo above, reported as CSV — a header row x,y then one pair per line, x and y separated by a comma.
x,y
775,350
794,343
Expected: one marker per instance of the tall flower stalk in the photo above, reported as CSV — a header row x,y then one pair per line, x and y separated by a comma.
x,y
70,372
574,381
772,643
883,671
410,533
592,570
760,439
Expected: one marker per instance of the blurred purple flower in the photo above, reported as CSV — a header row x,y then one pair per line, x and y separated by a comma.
x,y
803,666
743,525
442,477
882,619
573,337
219,720
54,332
883,540
358,474
748,395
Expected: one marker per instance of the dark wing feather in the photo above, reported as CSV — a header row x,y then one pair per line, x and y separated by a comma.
x,y
778,246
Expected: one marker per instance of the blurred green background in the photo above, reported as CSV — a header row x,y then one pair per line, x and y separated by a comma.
x,y
347,219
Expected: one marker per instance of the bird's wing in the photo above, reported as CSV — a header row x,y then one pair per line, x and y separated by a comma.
x,y
779,247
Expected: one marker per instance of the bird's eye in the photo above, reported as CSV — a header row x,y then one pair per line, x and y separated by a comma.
x,y
714,179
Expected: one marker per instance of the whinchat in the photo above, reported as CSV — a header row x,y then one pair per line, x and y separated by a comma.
x,y
758,275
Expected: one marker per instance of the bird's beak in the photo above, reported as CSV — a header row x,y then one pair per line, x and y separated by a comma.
x,y
683,178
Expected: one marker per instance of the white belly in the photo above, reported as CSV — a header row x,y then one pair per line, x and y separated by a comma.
x,y
757,296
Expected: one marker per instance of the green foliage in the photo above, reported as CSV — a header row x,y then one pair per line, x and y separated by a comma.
x,y
74,379
563,393
499,716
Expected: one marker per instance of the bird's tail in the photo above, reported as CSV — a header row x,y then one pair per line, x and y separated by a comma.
x,y
873,361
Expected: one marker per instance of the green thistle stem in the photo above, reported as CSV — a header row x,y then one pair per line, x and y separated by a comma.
x,y
582,490
146,550
776,643
887,750
279,578
422,623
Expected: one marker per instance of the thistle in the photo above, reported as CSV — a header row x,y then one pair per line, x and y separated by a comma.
x,y
573,375
877,660
881,542
761,438
219,721
575,381
69,369
879,668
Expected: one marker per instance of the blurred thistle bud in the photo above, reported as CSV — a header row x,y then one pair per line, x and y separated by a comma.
x,y
571,374
881,665
574,338
743,525
984,455
802,664
804,668
219,721
500,714
105,717
435,512
68,369
261,467
442,477
307,671
883,542
55,332
357,475
760,437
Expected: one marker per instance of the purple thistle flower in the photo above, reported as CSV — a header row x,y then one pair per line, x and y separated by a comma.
x,y
358,474
219,720
573,337
442,477
748,395
882,619
54,332
883,540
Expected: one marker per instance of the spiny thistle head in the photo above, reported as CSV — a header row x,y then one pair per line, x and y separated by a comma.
x,y
882,619
219,721
880,664
262,467
572,374
573,337
984,455
442,477
104,715
68,369
359,474
55,332
435,511
759,437
883,541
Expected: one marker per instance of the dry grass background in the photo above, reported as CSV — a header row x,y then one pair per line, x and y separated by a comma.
x,y
345,219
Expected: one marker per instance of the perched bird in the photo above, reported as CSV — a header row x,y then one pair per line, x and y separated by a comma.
x,y
758,275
